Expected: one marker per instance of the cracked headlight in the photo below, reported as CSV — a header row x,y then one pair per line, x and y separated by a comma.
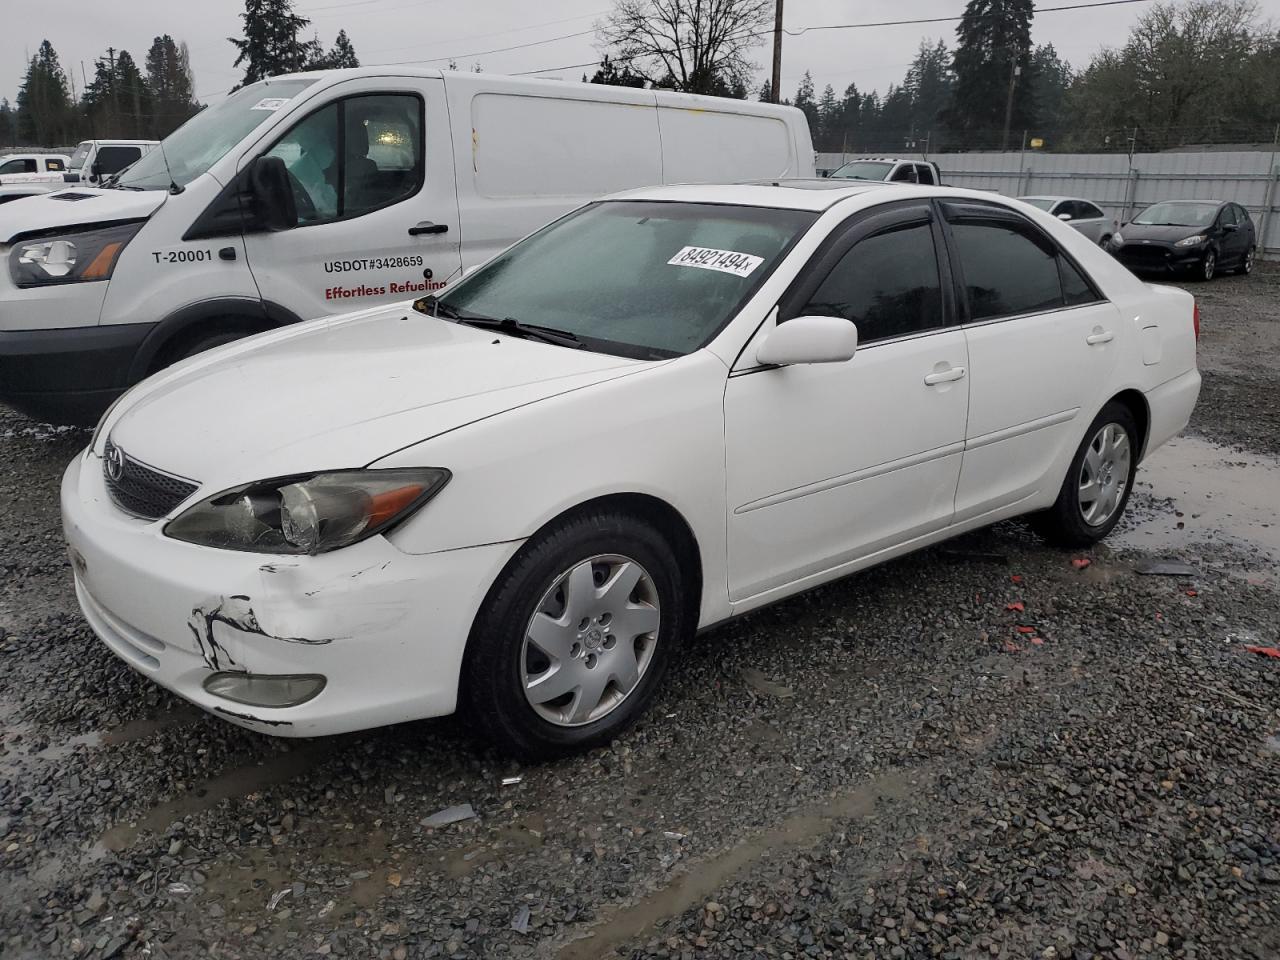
x,y
69,257
1191,241
308,514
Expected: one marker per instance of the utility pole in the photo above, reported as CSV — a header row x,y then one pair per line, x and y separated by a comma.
x,y
776,83
1014,73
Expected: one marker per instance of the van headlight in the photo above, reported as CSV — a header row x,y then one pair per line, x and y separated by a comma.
x,y
69,257
308,514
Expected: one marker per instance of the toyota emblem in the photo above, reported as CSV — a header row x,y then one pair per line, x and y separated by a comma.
x,y
114,465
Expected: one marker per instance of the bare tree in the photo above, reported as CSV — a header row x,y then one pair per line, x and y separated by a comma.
x,y
697,46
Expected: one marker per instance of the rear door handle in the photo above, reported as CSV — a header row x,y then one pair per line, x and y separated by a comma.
x,y
944,376
426,226
1100,336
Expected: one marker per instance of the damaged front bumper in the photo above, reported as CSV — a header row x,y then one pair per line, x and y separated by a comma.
x,y
385,629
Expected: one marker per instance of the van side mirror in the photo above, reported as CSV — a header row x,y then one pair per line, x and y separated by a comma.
x,y
809,339
272,192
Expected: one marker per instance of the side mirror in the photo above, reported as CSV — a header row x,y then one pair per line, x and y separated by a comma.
x,y
1064,217
1231,227
809,339
272,191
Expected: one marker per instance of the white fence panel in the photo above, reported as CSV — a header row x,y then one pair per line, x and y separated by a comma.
x,y
1118,185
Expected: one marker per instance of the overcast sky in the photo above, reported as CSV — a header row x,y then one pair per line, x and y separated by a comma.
x,y
386,31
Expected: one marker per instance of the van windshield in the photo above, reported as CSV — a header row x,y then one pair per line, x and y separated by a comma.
x,y
207,137
641,279
77,158
863,170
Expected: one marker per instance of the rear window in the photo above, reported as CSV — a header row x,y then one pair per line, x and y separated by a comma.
x,y
863,170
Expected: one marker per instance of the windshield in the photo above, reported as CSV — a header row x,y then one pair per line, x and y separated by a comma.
x,y
637,278
863,170
205,139
1040,202
77,158
1178,215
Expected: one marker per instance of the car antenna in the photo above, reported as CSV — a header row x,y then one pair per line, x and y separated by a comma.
x,y
174,189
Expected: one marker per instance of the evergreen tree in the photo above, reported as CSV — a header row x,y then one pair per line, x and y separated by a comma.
x,y
766,92
805,102
994,41
133,98
8,124
611,75
340,56
829,118
271,44
46,115
169,81
929,81
1051,78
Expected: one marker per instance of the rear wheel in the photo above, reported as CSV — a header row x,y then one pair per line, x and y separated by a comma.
x,y
574,637
1246,263
1097,486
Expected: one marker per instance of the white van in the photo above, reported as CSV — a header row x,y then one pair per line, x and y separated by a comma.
x,y
95,160
32,167
319,193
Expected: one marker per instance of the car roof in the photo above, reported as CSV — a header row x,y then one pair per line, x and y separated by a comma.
x,y
799,194
1218,203
1045,196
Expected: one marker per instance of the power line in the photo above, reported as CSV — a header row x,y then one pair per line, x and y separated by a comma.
x,y
494,33
799,31
481,53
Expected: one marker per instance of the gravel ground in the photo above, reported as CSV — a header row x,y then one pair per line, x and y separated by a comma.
x,y
989,749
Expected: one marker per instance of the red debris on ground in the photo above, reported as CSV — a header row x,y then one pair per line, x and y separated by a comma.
x,y
1273,652
1016,577
1192,593
1026,629
1037,641
1016,605
1081,562
1011,647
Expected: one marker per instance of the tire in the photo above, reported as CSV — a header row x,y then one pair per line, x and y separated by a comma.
x,y
539,587
1070,522
1246,263
1104,241
1205,270
185,349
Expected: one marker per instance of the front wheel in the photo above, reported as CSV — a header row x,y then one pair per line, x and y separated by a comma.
x,y
1207,267
1094,494
574,637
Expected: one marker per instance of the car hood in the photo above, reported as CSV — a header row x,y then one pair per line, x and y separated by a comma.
x,y
1137,232
45,211
338,392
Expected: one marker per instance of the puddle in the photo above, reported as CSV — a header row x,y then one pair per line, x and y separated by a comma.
x,y
506,842
275,769
618,925
1222,495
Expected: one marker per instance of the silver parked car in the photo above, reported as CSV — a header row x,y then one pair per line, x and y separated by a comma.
x,y
1084,215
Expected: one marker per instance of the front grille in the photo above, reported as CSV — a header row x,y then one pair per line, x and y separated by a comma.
x,y
1142,253
139,489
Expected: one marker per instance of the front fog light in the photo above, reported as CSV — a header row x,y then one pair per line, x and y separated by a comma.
x,y
265,690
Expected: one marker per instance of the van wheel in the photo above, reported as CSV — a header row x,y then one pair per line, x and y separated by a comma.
x,y
1097,486
574,637
184,349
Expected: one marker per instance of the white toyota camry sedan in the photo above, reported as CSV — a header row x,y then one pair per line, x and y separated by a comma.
x,y
522,496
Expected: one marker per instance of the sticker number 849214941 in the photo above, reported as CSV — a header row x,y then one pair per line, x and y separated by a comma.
x,y
725,261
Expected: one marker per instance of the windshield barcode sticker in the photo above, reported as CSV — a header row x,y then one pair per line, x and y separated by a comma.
x,y
270,103
726,261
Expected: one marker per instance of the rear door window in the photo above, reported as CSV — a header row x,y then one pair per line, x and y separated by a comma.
x,y
924,173
905,173
1009,268
55,164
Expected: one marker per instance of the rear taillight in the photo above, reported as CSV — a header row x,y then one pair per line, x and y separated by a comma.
x,y
1195,320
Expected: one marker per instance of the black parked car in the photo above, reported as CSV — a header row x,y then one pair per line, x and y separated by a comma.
x,y
1199,237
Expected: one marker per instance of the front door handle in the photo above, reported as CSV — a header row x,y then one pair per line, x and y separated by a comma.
x,y
944,376
426,226
1099,336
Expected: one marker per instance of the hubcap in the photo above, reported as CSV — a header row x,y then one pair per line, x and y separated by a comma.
x,y
1248,261
1104,475
590,640
1210,264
